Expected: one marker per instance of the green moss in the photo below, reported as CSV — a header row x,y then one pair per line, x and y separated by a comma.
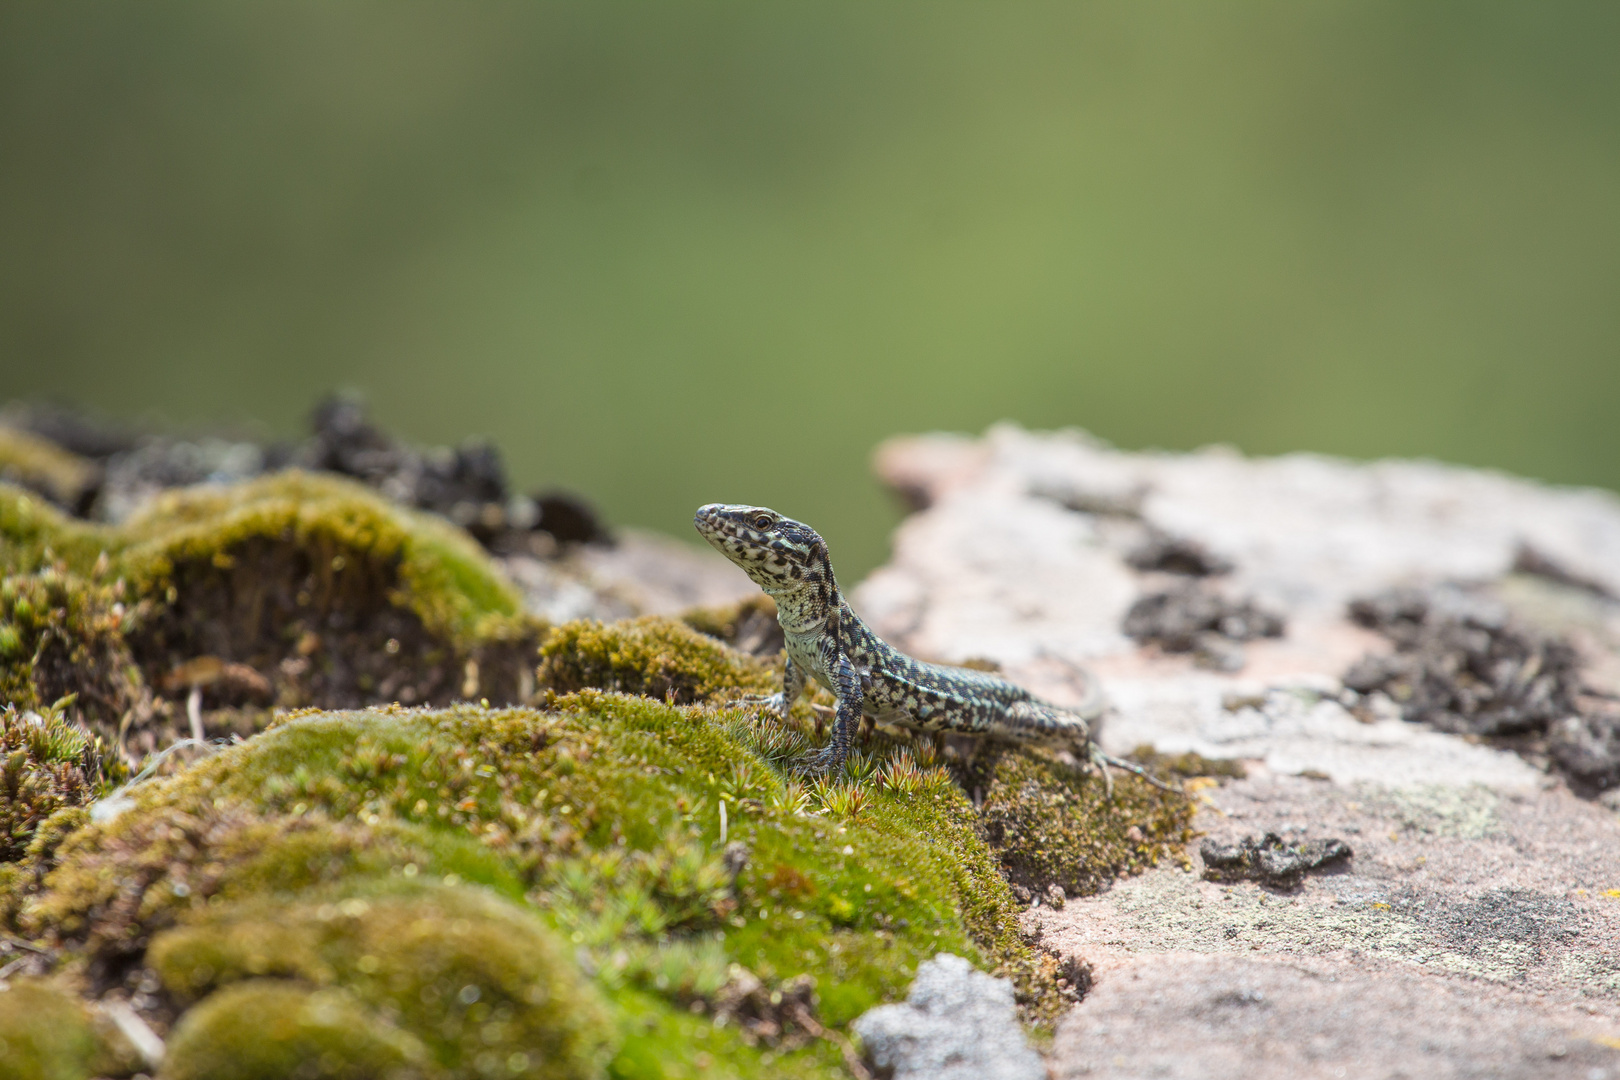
x,y
483,983
599,816
40,465
45,1033
652,657
636,849
1052,824
47,765
273,1030
120,882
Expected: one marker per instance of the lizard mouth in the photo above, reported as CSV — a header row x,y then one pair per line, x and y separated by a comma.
x,y
711,523
708,520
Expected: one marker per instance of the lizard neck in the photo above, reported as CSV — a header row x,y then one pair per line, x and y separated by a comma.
x,y
805,608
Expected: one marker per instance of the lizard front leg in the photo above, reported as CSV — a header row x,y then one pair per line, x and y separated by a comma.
x,y
830,758
792,687
781,701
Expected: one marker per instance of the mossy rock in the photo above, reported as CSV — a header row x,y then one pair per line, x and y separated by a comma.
x,y
45,1033
596,819
1053,824
273,1030
289,590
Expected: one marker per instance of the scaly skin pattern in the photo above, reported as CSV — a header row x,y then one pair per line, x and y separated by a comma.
x,y
827,642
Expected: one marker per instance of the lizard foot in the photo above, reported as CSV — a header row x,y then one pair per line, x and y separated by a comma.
x,y
823,762
770,702
1102,761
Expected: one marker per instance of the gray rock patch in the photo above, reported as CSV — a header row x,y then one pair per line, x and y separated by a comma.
x,y
957,1024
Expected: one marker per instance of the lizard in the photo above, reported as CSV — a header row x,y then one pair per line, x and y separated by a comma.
x,y
826,641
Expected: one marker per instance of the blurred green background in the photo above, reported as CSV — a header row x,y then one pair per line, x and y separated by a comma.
x,y
667,254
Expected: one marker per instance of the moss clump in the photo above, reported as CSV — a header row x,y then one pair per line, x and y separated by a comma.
x,y
481,981
272,1030
334,595
439,572
46,765
61,636
120,882
40,465
45,1034
330,594
1052,824
651,657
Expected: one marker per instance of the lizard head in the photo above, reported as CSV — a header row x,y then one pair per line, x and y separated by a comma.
x,y
780,554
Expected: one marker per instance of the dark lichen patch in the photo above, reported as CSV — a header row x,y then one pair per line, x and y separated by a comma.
x,y
1270,860
1516,926
482,982
47,765
1195,618
45,1033
1159,551
275,1030
652,657
1465,663
1053,824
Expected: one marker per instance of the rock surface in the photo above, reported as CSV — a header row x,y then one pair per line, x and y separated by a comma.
x,y
957,1024
1476,930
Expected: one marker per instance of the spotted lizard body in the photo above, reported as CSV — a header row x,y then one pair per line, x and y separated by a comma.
x,y
828,642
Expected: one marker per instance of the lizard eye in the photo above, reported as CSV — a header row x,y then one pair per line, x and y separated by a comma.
x,y
761,521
